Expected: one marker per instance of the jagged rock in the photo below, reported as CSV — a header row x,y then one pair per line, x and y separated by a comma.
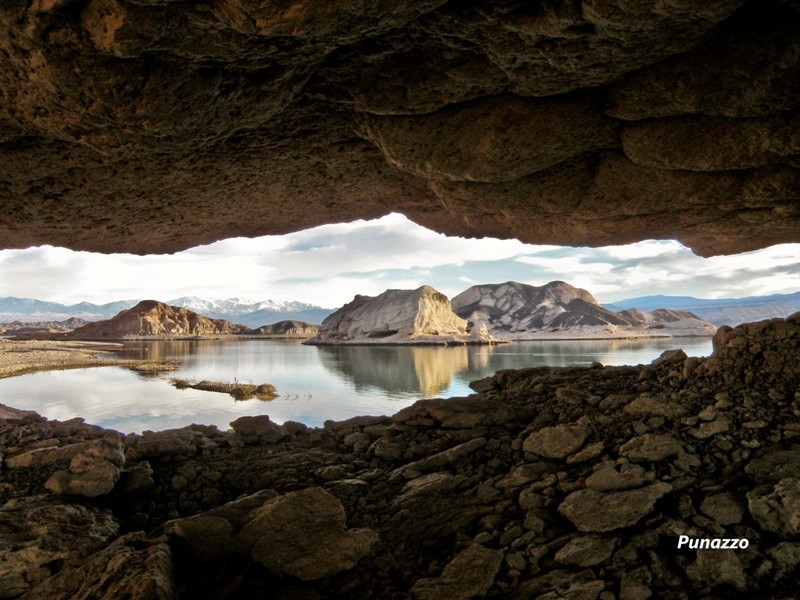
x,y
777,509
456,413
557,442
786,556
609,477
470,573
706,430
93,472
39,533
301,534
46,456
514,310
151,317
133,566
714,567
647,406
586,551
440,459
590,510
259,426
394,316
651,447
774,465
161,445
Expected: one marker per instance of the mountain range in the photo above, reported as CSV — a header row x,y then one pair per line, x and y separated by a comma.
x,y
721,311
244,311
514,310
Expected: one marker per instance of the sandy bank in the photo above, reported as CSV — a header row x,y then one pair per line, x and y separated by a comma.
x,y
18,357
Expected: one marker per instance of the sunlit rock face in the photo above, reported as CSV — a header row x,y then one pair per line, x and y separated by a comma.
x,y
152,126
395,316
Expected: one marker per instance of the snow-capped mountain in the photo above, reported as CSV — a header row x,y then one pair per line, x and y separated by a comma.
x,y
253,313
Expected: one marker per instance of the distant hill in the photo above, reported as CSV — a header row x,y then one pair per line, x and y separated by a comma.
x,y
722,311
153,318
289,329
514,310
252,313
40,328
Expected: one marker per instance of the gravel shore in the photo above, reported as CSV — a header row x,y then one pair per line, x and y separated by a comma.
x,y
18,357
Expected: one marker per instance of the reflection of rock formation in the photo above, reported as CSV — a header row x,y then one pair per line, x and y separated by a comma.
x,y
435,367
394,316
397,370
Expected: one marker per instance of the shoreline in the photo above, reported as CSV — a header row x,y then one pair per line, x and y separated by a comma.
x,y
20,357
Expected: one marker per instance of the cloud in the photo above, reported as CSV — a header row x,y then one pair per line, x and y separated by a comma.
x,y
328,265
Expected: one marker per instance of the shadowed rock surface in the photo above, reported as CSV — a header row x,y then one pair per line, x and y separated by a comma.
x,y
498,494
150,126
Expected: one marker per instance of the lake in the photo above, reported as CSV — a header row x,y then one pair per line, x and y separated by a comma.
x,y
314,383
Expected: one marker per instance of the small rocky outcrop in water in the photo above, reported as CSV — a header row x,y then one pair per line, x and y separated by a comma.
x,y
547,483
290,328
515,310
395,316
153,318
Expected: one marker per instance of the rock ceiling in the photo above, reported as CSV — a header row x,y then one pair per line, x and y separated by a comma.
x,y
155,125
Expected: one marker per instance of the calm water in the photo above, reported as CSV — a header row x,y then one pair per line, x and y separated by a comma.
x,y
314,383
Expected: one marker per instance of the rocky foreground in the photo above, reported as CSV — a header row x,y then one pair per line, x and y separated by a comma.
x,y
549,483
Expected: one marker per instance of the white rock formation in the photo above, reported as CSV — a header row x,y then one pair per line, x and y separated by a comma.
x,y
395,316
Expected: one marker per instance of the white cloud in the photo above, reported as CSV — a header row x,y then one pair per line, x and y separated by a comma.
x,y
328,265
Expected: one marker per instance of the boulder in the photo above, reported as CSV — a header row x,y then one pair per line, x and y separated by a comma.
x,y
557,442
777,509
259,426
593,511
301,534
93,472
469,574
304,535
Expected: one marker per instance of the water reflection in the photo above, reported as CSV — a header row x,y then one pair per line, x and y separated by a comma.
x,y
396,370
437,370
314,383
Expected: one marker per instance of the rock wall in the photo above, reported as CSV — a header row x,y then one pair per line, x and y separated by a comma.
x,y
547,483
147,126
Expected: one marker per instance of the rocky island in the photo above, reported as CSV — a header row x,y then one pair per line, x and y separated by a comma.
x,y
421,316
152,319
557,310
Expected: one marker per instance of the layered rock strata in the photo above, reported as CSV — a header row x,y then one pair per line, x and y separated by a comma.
x,y
517,311
496,494
148,126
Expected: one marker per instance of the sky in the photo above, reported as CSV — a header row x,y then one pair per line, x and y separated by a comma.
x,y
328,265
